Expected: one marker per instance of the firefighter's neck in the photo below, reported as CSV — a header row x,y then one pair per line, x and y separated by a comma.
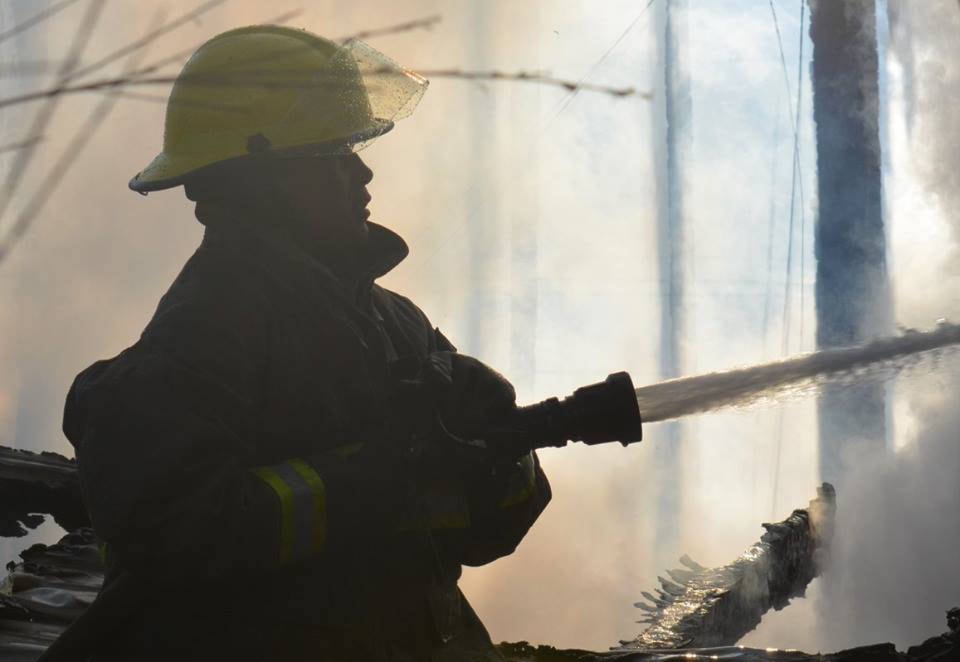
x,y
343,259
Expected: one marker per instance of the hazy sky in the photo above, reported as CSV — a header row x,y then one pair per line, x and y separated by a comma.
x,y
515,196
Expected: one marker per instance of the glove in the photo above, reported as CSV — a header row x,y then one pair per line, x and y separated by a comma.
x,y
472,398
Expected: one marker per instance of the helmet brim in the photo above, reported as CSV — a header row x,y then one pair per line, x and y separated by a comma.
x,y
164,172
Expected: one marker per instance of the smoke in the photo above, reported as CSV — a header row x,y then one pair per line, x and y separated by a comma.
x,y
87,277
894,567
893,572
929,52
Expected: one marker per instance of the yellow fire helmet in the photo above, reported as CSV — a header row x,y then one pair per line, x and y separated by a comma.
x,y
270,88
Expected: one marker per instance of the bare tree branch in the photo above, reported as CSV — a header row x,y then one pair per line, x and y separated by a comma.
x,y
68,72
42,66
81,38
147,38
23,144
426,23
534,77
36,19
68,157
422,23
164,99
180,56
274,79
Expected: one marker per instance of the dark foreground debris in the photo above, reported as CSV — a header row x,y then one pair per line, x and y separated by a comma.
x,y
35,483
945,648
45,592
53,584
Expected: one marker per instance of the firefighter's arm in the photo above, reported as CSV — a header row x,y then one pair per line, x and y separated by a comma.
x,y
504,504
164,437
504,499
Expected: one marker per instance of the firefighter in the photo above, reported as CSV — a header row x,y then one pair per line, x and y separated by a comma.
x,y
276,461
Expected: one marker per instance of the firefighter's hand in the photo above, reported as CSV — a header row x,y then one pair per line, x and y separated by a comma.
x,y
472,398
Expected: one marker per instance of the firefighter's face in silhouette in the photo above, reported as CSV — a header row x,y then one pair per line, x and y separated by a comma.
x,y
327,197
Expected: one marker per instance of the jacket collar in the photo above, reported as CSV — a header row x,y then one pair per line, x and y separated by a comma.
x,y
385,249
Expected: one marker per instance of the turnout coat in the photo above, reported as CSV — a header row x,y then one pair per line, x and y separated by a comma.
x,y
245,462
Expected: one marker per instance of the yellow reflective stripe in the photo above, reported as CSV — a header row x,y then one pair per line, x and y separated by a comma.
x,y
522,482
319,531
285,494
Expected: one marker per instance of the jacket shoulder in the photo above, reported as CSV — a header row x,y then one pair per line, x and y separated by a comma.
x,y
410,318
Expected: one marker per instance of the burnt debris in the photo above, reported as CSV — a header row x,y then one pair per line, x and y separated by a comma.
x,y
699,607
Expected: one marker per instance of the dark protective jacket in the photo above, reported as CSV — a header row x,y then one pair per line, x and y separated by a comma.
x,y
246,461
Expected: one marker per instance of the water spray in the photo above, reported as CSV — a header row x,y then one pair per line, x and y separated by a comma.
x,y
611,410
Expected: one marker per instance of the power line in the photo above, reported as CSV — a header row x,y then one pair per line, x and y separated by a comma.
x,y
796,153
794,181
562,105
565,102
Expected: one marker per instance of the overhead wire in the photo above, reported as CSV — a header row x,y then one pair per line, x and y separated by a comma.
x,y
562,105
565,102
796,156
795,184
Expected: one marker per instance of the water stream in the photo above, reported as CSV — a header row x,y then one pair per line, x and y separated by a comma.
x,y
876,359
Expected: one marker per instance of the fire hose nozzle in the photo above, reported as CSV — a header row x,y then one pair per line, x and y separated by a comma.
x,y
595,414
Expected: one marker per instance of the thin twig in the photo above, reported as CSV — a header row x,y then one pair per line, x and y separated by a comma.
x,y
534,77
23,144
68,157
161,98
36,19
146,39
426,23
42,66
68,72
180,56
25,68
273,79
81,38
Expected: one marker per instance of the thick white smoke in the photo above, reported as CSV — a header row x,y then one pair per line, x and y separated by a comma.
x,y
894,566
87,277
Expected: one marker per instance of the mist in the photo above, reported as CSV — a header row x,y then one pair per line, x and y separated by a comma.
x,y
532,219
